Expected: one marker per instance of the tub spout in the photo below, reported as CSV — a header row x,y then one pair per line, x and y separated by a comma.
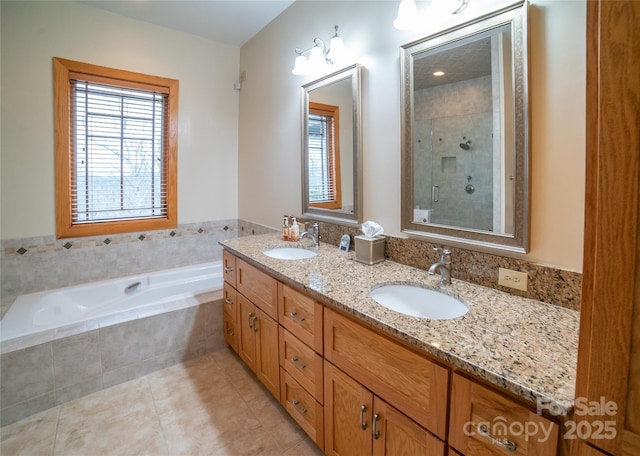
x,y
132,287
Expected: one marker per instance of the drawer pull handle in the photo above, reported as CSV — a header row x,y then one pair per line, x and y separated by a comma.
x,y
374,430
363,425
228,269
229,332
296,317
296,362
301,410
251,317
228,301
507,444
255,326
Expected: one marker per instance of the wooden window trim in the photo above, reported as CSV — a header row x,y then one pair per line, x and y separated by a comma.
x,y
334,154
62,70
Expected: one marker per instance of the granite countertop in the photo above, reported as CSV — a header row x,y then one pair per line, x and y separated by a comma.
x,y
524,346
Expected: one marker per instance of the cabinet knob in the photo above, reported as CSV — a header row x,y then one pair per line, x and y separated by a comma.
x,y
228,301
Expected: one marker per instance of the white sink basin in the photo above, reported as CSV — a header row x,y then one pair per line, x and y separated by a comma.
x,y
289,253
418,302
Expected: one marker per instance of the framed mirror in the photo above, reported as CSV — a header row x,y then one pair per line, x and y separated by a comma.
x,y
331,147
465,134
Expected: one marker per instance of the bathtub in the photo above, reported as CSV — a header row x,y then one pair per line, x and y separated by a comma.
x,y
105,302
62,344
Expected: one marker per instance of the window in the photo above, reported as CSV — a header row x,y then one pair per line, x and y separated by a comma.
x,y
324,157
116,150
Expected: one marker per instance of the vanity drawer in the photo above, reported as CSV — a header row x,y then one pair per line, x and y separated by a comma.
x,y
473,406
229,300
302,363
302,407
301,315
260,288
408,381
230,331
229,268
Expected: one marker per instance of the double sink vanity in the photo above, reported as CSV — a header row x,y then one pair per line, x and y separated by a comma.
x,y
494,377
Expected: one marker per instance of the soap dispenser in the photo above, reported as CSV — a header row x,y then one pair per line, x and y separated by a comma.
x,y
285,228
294,231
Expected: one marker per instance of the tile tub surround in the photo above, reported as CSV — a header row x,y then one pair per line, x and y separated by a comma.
x,y
107,353
547,284
524,346
42,263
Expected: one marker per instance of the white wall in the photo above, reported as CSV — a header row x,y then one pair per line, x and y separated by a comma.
x,y
34,32
270,115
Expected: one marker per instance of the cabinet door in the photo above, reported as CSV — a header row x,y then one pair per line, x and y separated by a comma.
x,y
301,315
229,268
267,360
229,300
484,422
347,414
260,288
394,434
230,332
415,385
302,363
245,328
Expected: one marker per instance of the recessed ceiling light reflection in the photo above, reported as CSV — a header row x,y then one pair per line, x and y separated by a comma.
x,y
438,73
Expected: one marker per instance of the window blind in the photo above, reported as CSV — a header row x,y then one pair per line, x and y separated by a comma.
x,y
119,146
322,186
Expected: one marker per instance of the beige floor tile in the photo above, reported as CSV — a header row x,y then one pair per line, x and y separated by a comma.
x,y
203,405
304,448
254,444
31,436
120,421
212,405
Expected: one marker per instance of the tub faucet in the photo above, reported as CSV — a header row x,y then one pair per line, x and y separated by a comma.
x,y
132,287
443,266
314,234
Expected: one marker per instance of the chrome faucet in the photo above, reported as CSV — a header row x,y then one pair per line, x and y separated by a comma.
x,y
314,234
443,266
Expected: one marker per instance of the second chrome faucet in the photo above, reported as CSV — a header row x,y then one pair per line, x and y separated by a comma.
x,y
443,266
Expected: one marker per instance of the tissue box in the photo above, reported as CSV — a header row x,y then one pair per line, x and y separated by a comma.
x,y
370,250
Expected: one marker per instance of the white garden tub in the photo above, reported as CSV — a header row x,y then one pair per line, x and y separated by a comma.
x,y
54,311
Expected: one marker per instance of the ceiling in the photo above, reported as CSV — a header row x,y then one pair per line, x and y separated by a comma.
x,y
232,22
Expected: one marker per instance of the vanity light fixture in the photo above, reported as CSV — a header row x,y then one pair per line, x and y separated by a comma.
x,y
408,11
319,56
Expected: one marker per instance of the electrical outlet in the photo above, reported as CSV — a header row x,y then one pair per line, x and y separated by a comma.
x,y
512,279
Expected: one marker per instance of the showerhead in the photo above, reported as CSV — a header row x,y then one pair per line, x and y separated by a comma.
x,y
465,145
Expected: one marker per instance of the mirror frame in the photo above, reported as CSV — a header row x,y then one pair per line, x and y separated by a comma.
x,y
515,16
354,72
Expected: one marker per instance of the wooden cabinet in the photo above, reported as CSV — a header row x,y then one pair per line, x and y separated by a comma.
x,y
229,268
409,381
230,316
360,423
484,422
301,315
258,344
302,363
303,407
258,287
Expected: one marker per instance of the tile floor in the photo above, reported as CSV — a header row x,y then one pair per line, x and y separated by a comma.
x,y
212,405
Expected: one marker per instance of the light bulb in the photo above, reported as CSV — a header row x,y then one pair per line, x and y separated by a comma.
x,y
301,67
336,49
407,15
